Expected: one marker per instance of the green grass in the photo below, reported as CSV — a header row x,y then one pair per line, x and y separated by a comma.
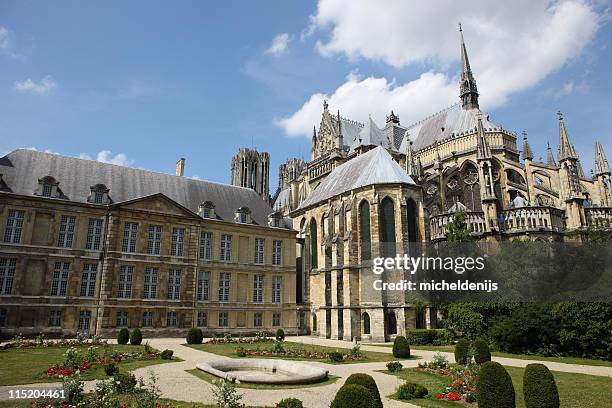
x,y
210,378
28,365
229,350
575,390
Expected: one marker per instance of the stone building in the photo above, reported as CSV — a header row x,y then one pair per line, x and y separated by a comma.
x,y
251,169
89,246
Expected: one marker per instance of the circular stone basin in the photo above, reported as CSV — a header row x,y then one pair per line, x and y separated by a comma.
x,y
264,371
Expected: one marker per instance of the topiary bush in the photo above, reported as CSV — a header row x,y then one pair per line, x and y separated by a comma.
x,y
167,354
482,354
426,337
136,337
539,387
401,347
367,381
394,366
194,336
290,403
495,389
336,356
280,335
462,349
352,396
123,336
409,390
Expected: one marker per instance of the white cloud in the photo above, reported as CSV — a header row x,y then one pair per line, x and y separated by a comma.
x,y
279,45
105,156
42,87
4,38
566,89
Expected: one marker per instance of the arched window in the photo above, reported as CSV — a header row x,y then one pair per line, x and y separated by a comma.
x,y
314,322
366,322
386,219
314,246
391,323
364,230
411,223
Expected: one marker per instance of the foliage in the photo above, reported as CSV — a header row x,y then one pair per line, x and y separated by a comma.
x,y
495,389
280,335
125,382
539,387
73,389
461,351
136,337
368,382
167,354
290,403
482,354
394,366
401,347
440,361
352,396
336,356
148,393
241,352
123,336
278,346
194,336
464,320
457,229
426,337
110,369
72,360
225,395
356,351
410,390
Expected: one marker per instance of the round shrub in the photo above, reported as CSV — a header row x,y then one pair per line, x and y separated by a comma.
x,y
194,336
394,366
336,356
123,336
280,335
494,386
539,387
461,351
167,354
352,396
136,337
401,347
482,354
409,390
367,381
290,403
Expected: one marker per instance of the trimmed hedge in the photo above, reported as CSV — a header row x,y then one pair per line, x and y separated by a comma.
x,y
495,389
462,349
367,381
280,335
123,336
401,347
410,390
194,336
429,337
352,396
482,354
136,337
290,403
539,387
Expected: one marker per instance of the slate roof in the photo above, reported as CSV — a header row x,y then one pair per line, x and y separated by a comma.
x,y
374,167
21,169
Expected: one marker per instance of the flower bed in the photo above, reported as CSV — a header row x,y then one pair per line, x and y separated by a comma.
x,y
280,351
260,337
462,386
40,341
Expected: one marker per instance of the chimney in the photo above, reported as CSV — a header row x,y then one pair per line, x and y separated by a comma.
x,y
180,167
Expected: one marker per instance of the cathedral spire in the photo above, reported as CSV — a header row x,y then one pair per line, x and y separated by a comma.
x,y
550,157
566,149
484,151
602,168
467,88
527,153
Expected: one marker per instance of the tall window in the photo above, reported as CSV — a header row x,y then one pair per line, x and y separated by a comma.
x,y
59,285
203,289
94,234
258,319
178,240
206,245
174,284
47,189
387,228
66,231
147,319
202,319
154,241
55,318
7,275
364,230
98,197
277,252
84,319
223,319
150,283
122,318
277,284
366,323
259,250
14,226
258,288
88,280
126,273
276,319
226,247
224,286
314,246
171,319
130,231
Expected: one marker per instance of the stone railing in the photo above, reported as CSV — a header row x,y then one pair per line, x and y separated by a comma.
x,y
531,218
474,219
598,217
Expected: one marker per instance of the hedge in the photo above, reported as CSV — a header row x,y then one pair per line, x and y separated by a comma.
x,y
353,396
194,336
539,387
461,351
482,354
495,389
367,381
280,335
401,347
290,403
123,336
136,337
427,337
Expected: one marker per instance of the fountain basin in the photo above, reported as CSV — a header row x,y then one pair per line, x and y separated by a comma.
x,y
264,371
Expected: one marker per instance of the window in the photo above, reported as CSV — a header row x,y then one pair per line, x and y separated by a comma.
x,y
130,229
259,250
171,319
206,212
277,283
314,246
277,252
7,275
366,323
88,280
364,230
59,285
258,319
178,239
387,228
223,319
224,286
14,226
84,318
55,318
125,282
94,234
202,319
276,319
47,189
122,318
206,245
3,317
258,285
66,231
243,218
174,284
150,283
203,289
147,319
98,197
154,242
226,247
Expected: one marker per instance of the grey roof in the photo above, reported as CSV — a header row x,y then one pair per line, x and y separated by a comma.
x,y
350,129
283,200
374,167
21,170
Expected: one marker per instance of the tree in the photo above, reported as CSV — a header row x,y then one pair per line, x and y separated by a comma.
x,y
457,229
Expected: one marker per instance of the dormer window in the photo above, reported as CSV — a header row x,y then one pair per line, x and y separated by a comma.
x,y
48,187
243,215
275,219
47,190
99,194
207,210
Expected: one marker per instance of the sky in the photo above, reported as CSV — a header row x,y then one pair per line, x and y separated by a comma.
x,y
143,83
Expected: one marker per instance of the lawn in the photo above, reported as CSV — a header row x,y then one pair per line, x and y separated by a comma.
x,y
229,350
575,390
28,365
210,378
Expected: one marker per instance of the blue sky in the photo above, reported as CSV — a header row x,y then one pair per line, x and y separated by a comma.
x,y
151,82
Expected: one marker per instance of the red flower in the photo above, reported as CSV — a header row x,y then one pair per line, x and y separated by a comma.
x,y
440,396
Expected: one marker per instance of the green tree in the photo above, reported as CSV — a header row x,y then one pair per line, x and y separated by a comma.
x,y
457,229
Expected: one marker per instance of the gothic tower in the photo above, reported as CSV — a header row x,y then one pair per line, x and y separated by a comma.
x,y
602,174
467,90
571,190
251,169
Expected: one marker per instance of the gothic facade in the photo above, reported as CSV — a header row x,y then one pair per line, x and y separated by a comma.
x,y
251,169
